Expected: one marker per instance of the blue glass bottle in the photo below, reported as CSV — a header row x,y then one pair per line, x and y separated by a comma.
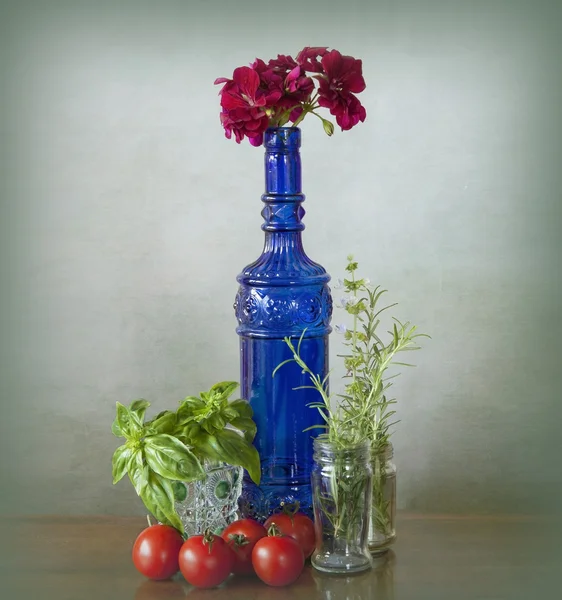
x,y
282,293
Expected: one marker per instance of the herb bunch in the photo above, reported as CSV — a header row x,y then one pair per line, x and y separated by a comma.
x,y
363,411
173,447
364,401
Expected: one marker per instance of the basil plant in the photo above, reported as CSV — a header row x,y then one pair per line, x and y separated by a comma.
x,y
173,446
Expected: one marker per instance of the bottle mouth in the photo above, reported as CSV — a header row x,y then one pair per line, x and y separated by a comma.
x,y
282,138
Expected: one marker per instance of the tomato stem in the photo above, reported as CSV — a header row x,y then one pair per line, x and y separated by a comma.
x,y
208,539
290,509
238,539
274,531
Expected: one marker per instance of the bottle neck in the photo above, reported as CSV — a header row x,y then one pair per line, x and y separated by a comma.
x,y
283,211
283,260
282,161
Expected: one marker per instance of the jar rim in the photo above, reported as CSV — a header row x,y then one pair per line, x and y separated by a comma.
x,y
322,441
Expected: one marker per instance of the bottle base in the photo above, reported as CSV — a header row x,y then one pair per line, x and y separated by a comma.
x,y
382,546
260,502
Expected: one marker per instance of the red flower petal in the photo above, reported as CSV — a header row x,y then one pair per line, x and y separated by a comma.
x,y
308,58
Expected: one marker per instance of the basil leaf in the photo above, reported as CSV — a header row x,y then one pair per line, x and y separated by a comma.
x,y
188,409
217,420
115,429
137,409
224,388
119,462
247,426
138,471
243,408
231,448
191,431
165,422
126,424
172,459
121,425
193,402
208,426
229,414
158,497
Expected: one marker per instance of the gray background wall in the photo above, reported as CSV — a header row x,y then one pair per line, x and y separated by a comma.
x,y
127,215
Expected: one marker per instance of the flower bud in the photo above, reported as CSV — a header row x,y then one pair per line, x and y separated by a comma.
x,y
328,127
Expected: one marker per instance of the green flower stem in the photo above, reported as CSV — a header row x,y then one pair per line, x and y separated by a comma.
x,y
305,111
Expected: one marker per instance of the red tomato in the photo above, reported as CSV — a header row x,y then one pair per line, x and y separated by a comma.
x,y
277,559
296,525
206,560
156,551
242,536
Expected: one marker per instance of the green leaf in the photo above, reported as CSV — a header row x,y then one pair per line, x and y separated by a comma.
x,y
231,448
119,462
229,414
164,422
138,471
126,424
208,426
242,407
217,420
158,497
137,409
115,429
247,426
190,432
172,459
224,388
121,425
188,409
285,362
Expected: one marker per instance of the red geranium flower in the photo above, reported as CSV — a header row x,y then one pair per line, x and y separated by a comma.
x,y
344,73
241,122
347,110
298,85
308,58
342,79
285,84
242,90
272,94
271,82
282,63
243,105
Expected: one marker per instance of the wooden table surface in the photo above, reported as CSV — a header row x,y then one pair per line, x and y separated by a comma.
x,y
437,557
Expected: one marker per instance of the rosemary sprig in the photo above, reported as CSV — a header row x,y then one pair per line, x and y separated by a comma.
x,y
363,411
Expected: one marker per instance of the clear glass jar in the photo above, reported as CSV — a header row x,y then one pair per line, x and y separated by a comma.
x,y
382,531
341,496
